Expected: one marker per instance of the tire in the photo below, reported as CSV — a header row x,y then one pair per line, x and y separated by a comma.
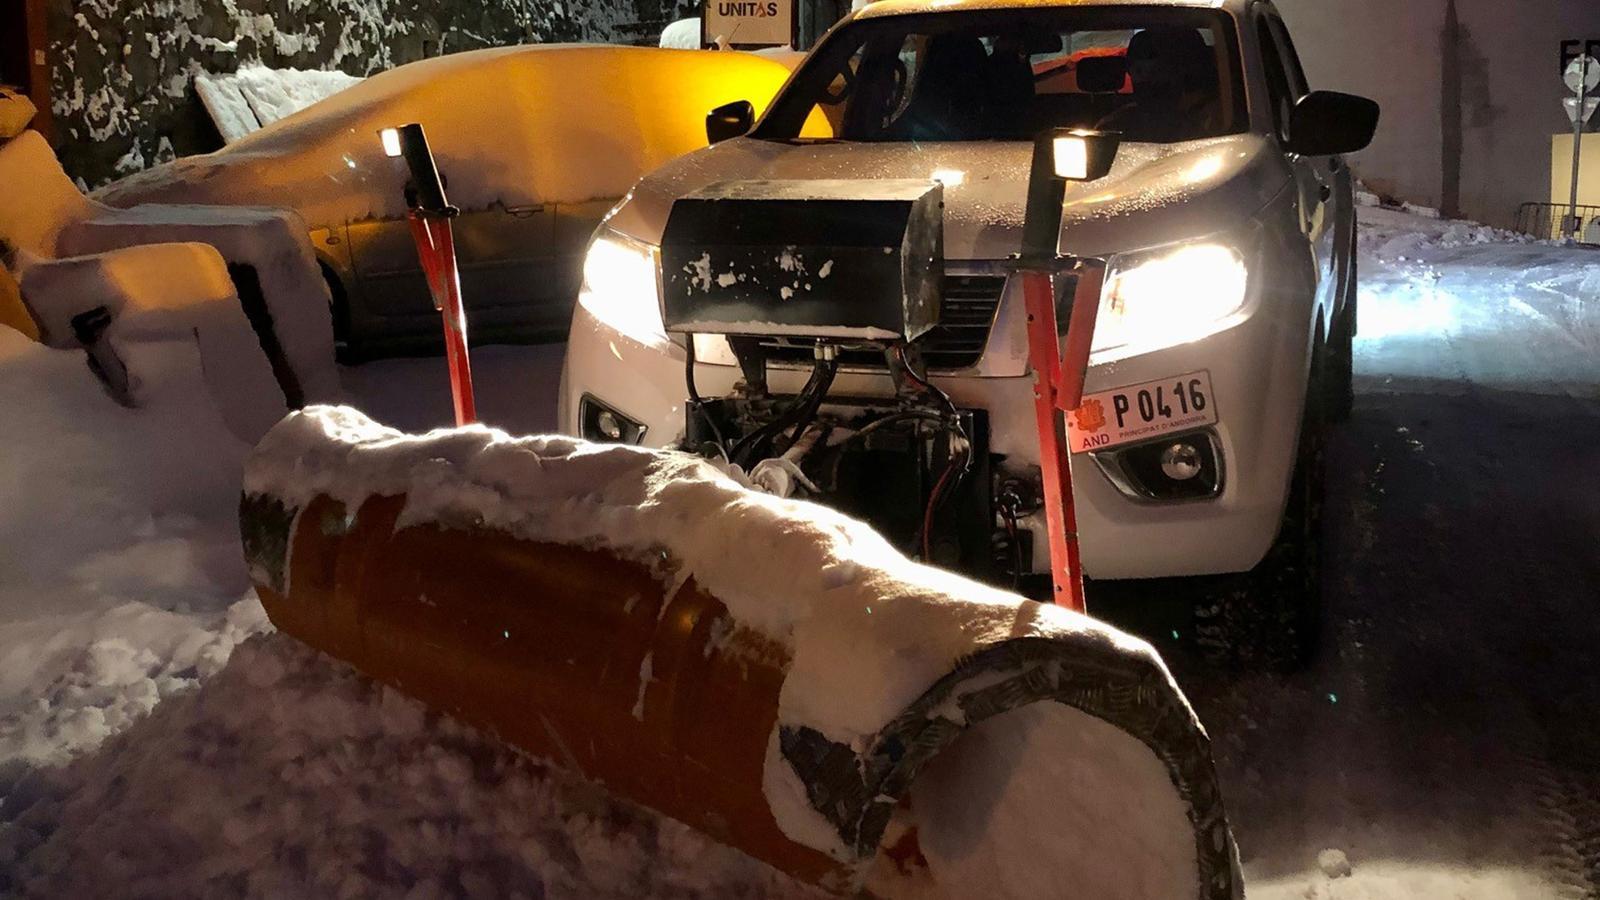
x,y
1340,378
1270,617
339,313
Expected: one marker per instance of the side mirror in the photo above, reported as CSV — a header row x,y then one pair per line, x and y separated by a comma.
x,y
1323,123
730,120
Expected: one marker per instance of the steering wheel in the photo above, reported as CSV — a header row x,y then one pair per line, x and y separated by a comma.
x,y
892,102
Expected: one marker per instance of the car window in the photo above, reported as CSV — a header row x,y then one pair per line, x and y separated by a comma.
x,y
1153,75
1279,93
1295,73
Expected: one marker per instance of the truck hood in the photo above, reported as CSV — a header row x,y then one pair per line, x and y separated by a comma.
x,y
1155,194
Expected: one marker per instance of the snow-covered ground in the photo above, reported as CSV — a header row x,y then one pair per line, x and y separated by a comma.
x,y
120,580
1443,745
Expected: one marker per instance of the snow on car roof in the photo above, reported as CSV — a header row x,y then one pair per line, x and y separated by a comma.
x,y
517,126
882,8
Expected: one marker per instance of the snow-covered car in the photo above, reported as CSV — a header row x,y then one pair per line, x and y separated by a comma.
x,y
1223,343
536,143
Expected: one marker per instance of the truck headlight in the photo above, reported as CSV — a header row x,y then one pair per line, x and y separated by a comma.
x,y
619,286
1169,297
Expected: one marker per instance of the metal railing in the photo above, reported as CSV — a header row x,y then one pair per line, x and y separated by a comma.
x,y
1544,220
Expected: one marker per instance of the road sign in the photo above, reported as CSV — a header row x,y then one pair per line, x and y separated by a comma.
x,y
1582,75
750,23
1571,50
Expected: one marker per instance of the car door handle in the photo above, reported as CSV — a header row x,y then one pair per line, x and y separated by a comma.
x,y
523,212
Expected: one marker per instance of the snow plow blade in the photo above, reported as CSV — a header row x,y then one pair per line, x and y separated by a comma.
x,y
602,608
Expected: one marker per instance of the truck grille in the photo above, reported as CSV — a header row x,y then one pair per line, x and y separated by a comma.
x,y
966,314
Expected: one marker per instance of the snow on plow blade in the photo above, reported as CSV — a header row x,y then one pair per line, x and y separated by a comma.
x,y
767,671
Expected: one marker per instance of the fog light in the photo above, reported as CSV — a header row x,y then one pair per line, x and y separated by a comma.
x,y
600,422
1181,462
1168,469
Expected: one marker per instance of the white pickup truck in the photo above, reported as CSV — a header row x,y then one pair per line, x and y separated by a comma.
x,y
1223,346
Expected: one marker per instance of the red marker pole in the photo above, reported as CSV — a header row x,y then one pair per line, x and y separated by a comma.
x,y
1057,390
436,248
430,217
1060,362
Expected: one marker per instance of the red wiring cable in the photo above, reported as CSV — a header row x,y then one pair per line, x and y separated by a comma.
x,y
927,514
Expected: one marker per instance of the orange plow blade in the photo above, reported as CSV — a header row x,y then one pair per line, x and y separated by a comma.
x,y
570,599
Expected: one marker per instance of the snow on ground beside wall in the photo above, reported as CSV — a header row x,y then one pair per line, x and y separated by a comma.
x,y
1439,297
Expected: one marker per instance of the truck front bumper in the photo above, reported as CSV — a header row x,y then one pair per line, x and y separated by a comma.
x,y
1257,370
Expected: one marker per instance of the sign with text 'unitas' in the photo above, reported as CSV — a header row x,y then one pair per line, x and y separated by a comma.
x,y
749,23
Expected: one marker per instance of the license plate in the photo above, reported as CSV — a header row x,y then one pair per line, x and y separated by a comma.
x,y
1140,412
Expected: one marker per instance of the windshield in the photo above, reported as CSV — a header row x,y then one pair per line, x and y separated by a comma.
x,y
1154,74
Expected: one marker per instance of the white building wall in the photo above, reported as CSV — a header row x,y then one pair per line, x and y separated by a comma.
x,y
1509,91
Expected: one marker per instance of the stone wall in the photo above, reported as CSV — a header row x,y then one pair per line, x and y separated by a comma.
x,y
122,71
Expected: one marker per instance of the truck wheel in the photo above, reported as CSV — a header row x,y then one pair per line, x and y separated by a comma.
x,y
339,312
1340,376
1270,617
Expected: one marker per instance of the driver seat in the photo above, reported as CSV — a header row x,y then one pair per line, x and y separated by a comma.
x,y
949,100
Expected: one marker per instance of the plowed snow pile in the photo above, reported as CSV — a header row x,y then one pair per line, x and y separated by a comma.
x,y
122,588
120,578
291,776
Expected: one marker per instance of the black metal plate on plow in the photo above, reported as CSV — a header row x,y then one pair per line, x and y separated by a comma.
x,y
860,260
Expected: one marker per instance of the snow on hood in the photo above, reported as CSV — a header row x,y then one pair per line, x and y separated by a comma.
x,y
1155,194
510,125
868,629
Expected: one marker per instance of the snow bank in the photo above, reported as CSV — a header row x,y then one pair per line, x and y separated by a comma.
x,y
164,293
1399,235
225,103
120,576
89,676
1459,297
242,102
683,34
271,242
513,125
32,225
57,220
292,776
